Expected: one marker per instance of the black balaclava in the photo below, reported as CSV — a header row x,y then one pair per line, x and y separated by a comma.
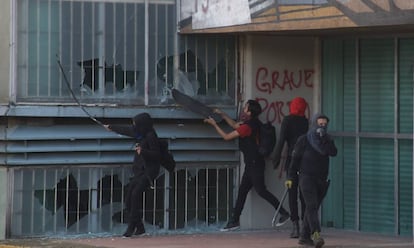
x,y
143,124
317,133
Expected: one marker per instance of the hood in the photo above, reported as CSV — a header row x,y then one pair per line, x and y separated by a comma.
x,y
143,123
298,106
315,117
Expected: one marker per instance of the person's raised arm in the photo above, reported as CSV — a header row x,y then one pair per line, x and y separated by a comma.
x,y
232,123
226,136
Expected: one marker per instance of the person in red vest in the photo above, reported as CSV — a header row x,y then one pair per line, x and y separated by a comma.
x,y
253,176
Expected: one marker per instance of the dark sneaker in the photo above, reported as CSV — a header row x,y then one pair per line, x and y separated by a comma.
x,y
283,219
318,241
130,230
305,241
295,230
140,229
231,226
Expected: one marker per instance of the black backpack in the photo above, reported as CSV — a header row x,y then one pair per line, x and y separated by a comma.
x,y
266,139
167,159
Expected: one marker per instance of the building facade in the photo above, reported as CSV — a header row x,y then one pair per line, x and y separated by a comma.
x,y
360,74
70,63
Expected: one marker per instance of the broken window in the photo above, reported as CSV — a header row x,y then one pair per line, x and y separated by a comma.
x,y
116,52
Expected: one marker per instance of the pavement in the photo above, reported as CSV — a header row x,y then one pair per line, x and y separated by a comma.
x,y
236,239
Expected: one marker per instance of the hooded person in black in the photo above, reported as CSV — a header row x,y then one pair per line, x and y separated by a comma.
x,y
310,160
145,167
253,176
293,125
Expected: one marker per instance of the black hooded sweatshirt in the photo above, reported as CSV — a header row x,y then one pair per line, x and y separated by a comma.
x,y
148,162
311,153
293,126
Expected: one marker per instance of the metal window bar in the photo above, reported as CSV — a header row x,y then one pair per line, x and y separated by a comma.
x,y
54,205
154,209
217,69
227,66
122,196
94,201
78,204
99,195
186,198
111,198
44,200
228,194
156,49
196,205
167,208
90,16
175,199
32,201
217,196
207,198
126,22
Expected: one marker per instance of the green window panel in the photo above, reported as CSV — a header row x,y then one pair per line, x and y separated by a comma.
x,y
339,74
349,86
350,184
368,174
332,211
405,89
377,85
405,187
332,74
377,185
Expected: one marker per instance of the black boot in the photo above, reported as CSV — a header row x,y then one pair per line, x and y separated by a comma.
x,y
130,230
295,230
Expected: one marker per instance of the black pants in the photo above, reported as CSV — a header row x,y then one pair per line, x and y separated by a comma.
x,y
134,197
313,191
294,191
254,177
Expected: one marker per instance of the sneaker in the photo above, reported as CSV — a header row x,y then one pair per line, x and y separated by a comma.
x,y
130,230
231,226
318,241
283,219
295,230
305,241
140,229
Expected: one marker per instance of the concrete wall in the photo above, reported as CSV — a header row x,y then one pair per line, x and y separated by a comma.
x,y
276,69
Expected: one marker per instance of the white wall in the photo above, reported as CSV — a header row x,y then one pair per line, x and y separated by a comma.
x,y
276,69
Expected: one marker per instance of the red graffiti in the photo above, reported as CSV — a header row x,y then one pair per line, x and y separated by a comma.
x,y
204,7
287,79
277,110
